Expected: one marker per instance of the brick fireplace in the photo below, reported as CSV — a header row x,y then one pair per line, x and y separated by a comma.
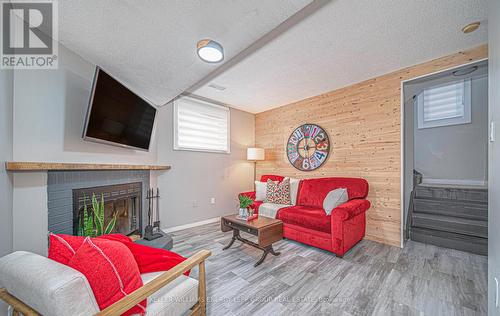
x,y
124,192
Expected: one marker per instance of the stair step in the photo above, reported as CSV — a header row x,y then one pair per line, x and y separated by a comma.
x,y
464,226
464,209
460,242
452,193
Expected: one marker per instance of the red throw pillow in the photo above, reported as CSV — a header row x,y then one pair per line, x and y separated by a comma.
x,y
111,270
63,247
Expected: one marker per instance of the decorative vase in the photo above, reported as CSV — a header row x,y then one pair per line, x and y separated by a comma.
x,y
243,213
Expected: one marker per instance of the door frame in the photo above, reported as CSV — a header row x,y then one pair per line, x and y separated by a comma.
x,y
403,136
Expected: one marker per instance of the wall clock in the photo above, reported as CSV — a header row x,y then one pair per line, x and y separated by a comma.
x,y
308,147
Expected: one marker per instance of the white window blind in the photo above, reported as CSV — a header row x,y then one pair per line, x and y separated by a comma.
x,y
447,104
201,126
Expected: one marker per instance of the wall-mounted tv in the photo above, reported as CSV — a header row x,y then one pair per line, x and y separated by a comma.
x,y
117,116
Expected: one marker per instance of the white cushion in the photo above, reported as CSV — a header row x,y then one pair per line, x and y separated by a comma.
x,y
294,190
334,198
260,190
176,298
47,286
270,209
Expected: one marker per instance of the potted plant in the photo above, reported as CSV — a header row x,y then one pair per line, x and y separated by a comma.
x,y
245,202
91,222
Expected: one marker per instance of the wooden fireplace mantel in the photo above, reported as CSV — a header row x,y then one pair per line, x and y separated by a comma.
x,y
46,166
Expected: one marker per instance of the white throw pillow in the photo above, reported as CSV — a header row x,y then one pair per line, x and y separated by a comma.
x,y
334,198
294,189
260,190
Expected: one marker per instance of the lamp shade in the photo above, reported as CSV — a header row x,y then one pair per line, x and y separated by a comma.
x,y
255,154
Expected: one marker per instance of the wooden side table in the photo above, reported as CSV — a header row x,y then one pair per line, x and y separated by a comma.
x,y
267,230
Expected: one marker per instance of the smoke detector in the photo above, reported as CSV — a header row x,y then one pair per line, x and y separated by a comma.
x,y
471,27
465,71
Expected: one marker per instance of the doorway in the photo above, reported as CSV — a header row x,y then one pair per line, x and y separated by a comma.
x,y
445,158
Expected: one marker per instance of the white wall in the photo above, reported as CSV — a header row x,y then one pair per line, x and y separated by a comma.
x,y
456,154
494,158
30,217
6,99
196,177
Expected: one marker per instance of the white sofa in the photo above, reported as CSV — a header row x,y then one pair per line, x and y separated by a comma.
x,y
33,284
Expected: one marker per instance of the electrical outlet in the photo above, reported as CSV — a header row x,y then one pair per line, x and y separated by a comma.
x,y
212,201
195,203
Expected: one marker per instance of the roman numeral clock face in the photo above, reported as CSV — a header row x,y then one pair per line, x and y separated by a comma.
x,y
308,147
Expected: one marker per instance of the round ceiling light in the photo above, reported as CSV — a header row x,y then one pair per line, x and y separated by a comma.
x,y
469,28
210,51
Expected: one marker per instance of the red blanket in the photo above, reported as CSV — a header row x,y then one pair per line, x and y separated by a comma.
x,y
149,259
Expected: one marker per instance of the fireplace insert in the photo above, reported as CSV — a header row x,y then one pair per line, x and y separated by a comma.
x,y
124,200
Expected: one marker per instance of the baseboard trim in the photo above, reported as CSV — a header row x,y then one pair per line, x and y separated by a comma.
x,y
454,182
191,225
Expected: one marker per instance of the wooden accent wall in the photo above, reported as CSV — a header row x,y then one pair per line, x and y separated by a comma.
x,y
364,125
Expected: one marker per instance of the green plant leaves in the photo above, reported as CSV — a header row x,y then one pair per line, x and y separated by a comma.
x,y
98,214
92,224
111,225
88,221
245,201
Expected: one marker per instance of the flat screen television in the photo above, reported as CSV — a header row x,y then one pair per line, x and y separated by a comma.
x,y
117,116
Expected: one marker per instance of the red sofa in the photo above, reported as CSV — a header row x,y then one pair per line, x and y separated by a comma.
x,y
308,223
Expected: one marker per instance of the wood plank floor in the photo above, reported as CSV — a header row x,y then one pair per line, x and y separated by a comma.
x,y
371,279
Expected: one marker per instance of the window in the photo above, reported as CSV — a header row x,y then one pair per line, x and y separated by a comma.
x,y
200,126
448,104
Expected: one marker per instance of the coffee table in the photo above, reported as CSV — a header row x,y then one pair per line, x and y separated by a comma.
x,y
267,230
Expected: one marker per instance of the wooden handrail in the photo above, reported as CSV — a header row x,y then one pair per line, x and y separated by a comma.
x,y
146,290
409,219
417,179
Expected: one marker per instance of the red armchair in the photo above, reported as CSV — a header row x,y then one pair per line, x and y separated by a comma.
x,y
307,222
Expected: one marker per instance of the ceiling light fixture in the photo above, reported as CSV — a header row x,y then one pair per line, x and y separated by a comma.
x,y
469,28
465,71
210,51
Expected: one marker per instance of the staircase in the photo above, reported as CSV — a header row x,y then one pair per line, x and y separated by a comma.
x,y
450,216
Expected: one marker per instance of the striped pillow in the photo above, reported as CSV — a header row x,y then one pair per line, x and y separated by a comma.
x,y
278,193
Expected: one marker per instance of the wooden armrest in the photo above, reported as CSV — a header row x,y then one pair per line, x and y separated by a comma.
x,y
16,304
146,290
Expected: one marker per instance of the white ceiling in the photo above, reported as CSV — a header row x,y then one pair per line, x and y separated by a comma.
x,y
151,45
277,52
343,43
